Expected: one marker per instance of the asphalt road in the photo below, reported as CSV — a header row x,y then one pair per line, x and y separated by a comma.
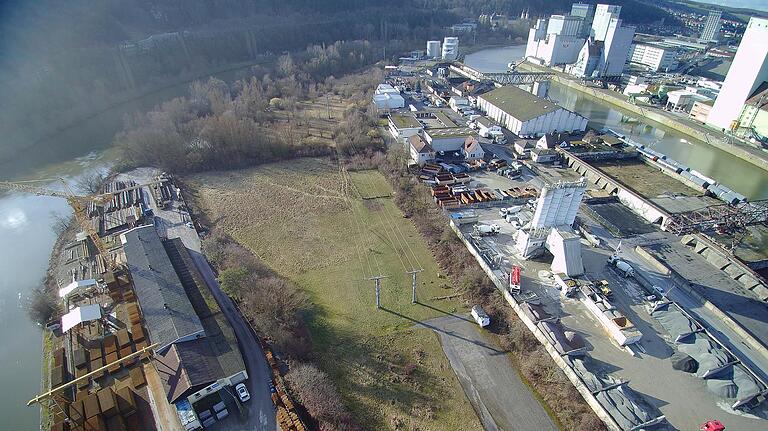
x,y
500,398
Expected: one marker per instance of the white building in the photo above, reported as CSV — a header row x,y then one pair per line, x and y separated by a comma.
x,y
458,103
618,40
420,150
433,49
564,25
654,57
387,97
472,149
586,12
450,48
711,29
552,48
526,114
447,138
404,126
748,70
604,13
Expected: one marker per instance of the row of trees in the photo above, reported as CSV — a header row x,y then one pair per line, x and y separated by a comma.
x,y
276,307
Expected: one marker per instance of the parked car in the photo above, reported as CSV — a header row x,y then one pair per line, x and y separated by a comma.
x,y
242,392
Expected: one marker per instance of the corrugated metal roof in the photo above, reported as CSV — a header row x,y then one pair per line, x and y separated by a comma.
x,y
518,103
167,311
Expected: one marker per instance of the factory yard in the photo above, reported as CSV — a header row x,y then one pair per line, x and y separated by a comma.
x,y
644,179
295,217
660,389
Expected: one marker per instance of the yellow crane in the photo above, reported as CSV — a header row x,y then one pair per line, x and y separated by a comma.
x,y
79,205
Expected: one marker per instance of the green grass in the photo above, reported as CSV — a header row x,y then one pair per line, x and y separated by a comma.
x,y
392,375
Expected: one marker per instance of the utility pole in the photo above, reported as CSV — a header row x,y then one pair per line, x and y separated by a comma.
x,y
413,284
377,283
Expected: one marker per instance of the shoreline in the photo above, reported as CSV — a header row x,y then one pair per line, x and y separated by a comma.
x,y
744,152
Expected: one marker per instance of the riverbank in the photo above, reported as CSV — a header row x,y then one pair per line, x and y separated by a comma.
x,y
755,156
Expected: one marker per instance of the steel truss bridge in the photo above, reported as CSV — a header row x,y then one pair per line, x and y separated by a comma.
x,y
502,78
725,216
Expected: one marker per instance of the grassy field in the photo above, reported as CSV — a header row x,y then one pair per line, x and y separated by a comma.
x,y
295,217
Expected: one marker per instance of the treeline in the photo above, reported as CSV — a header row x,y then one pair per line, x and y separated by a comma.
x,y
221,126
276,307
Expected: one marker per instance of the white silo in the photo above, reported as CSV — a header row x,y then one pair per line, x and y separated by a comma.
x,y
433,48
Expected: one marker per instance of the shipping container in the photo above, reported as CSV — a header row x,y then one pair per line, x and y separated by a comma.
x,y
107,402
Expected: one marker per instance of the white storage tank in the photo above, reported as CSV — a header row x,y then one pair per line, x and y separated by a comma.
x,y
433,48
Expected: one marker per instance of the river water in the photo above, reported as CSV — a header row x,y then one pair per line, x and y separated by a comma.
x,y
727,169
27,237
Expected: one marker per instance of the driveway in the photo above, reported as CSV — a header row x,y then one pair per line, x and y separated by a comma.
x,y
500,398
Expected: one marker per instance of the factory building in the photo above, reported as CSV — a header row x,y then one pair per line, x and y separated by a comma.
x,y
526,114
748,71
654,57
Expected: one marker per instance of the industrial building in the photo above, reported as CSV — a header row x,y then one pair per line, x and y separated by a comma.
x,y
604,14
198,354
526,114
748,71
654,57
387,97
711,29
450,49
753,122
586,12
551,49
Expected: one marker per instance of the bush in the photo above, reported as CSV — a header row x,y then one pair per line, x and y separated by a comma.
x,y
42,306
317,394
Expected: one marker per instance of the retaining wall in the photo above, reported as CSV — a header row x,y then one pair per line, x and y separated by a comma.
x,y
572,376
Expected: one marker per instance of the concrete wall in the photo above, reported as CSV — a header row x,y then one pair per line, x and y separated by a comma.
x,y
567,370
639,205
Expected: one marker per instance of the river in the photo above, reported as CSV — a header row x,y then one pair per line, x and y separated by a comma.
x,y
27,237
727,169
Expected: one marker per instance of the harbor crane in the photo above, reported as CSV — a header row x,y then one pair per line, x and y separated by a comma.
x,y
79,206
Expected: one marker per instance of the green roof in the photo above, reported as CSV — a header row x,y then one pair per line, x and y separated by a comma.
x,y
518,103
405,121
449,132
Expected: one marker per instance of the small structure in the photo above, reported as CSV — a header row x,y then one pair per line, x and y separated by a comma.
x,y
458,103
487,128
548,141
420,150
480,316
472,149
523,147
76,287
539,155
78,315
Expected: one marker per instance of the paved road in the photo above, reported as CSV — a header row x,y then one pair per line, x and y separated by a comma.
x,y
260,411
500,398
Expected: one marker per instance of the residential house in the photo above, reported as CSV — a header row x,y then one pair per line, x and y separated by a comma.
x,y
472,149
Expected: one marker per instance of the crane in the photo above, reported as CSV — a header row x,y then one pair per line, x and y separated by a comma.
x,y
79,205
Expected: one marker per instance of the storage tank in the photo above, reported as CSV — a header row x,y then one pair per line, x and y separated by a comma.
x,y
433,49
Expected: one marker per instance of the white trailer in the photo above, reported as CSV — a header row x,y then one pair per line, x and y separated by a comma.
x,y
480,316
486,230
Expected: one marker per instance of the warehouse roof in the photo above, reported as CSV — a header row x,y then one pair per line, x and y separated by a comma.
x,y
518,103
167,311
188,367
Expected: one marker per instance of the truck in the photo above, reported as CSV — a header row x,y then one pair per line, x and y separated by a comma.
x,y
625,268
486,230
514,280
480,316
510,210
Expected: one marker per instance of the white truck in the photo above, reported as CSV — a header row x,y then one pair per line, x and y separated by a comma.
x,y
510,210
480,316
622,266
486,230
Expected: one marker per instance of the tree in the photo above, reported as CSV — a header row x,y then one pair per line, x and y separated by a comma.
x,y
316,392
61,223
42,306
92,182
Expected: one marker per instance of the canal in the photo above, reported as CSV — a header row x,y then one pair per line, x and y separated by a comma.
x,y
727,169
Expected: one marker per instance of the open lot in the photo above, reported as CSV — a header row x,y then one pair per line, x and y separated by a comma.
x,y
294,216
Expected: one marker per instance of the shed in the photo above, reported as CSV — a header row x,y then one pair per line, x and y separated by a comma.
x,y
79,315
76,286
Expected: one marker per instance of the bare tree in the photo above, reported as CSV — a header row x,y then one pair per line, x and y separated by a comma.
x,y
91,182
61,223
316,392
42,306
